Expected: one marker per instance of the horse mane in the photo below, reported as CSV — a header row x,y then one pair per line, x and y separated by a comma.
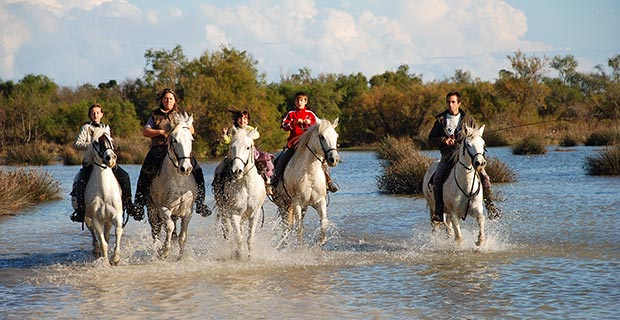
x,y
319,126
179,118
89,152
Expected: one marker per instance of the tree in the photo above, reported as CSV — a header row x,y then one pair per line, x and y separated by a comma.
x,y
523,87
29,102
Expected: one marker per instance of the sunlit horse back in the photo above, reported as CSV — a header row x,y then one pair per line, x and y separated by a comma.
x,y
462,192
104,208
174,189
244,194
303,183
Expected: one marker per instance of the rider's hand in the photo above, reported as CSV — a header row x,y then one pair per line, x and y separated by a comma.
x,y
225,130
450,141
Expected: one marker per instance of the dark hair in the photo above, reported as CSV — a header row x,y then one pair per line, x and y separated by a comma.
x,y
163,93
236,115
93,106
300,94
454,93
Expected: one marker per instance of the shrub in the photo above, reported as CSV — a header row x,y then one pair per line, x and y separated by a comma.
x,y
568,141
603,138
31,154
494,139
606,163
533,144
131,150
71,156
403,166
498,171
22,188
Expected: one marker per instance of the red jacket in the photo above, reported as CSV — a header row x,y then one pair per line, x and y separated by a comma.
x,y
297,122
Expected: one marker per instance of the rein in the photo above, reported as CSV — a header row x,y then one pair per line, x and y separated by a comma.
x,y
176,156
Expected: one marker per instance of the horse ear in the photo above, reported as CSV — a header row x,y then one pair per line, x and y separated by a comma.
x,y
233,131
254,134
335,122
190,119
481,130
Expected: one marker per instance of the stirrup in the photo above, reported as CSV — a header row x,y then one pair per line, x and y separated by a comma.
x,y
76,216
332,187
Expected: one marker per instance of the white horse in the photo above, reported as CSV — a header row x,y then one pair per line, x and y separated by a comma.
x,y
104,207
245,194
462,191
174,190
303,182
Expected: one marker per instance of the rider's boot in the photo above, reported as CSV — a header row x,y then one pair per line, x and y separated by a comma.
x,y
79,188
493,212
438,194
201,207
331,185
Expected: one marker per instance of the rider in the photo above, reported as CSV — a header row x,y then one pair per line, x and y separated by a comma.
x,y
84,138
446,134
297,122
263,159
157,128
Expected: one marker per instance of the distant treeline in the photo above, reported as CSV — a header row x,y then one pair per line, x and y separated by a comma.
x,y
395,103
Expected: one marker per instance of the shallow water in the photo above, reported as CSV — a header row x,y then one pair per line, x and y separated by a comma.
x,y
555,253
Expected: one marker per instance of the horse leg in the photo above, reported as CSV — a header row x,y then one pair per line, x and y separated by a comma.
x,y
252,231
183,234
238,242
324,222
481,234
118,227
164,251
96,250
458,236
103,244
299,223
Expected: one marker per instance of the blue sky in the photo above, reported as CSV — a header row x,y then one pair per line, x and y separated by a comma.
x,y
92,41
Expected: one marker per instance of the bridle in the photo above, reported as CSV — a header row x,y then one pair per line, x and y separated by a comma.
x,y
325,149
178,158
107,145
249,160
471,156
471,194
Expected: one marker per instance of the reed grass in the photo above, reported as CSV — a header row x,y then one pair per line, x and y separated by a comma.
x,y
533,144
607,163
603,138
499,172
495,139
34,154
23,188
403,166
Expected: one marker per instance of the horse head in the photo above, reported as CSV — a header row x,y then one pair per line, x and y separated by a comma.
x,y
328,141
103,153
180,142
241,151
474,145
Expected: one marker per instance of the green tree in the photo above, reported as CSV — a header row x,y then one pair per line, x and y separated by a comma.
x,y
29,103
523,87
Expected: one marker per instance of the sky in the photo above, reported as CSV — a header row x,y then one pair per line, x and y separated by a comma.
x,y
75,42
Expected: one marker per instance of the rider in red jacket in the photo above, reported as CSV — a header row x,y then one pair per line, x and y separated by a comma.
x,y
297,122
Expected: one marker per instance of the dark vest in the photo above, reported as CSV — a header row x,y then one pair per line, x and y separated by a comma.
x,y
162,121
